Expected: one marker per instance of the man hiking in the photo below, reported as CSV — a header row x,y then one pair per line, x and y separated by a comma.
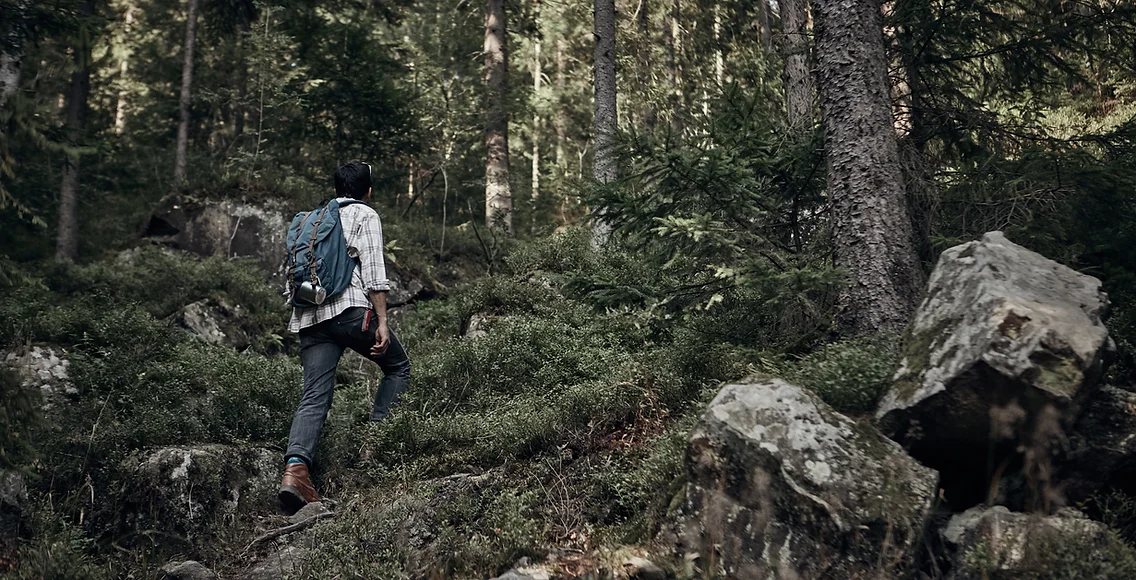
x,y
355,318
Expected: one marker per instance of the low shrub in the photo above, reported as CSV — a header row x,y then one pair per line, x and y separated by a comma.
x,y
850,375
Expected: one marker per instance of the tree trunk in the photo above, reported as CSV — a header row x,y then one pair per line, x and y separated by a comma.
x,y
186,91
871,229
12,58
795,53
643,18
498,198
604,167
719,54
536,124
605,119
123,67
561,114
67,235
672,37
765,24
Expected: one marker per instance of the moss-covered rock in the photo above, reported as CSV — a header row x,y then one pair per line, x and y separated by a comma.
x,y
995,543
1003,338
780,485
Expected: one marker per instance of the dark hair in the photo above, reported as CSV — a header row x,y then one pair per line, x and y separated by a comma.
x,y
353,180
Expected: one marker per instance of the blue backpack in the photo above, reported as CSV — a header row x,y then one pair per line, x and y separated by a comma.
x,y
317,253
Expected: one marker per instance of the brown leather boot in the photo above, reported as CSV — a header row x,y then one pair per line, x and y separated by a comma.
x,y
296,489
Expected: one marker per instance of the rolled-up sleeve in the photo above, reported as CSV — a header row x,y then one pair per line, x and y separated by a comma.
x,y
365,241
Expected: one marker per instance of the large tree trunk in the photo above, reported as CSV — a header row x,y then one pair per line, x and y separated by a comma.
x,y
795,53
67,235
186,91
604,168
871,229
498,198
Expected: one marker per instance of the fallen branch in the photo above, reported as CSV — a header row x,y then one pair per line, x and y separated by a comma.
x,y
296,527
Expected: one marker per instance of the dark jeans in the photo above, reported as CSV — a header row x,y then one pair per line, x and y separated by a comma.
x,y
320,348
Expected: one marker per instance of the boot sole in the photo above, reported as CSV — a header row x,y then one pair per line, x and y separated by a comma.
x,y
290,499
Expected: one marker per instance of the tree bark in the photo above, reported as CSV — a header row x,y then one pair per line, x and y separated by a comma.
x,y
871,229
123,67
536,123
604,168
498,198
561,114
648,115
186,91
672,37
798,78
67,235
605,118
765,24
13,57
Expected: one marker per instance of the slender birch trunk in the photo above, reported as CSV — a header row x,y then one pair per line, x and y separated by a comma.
x,y
536,123
498,197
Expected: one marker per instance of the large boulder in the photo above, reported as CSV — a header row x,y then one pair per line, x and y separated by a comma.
x,y
226,228
1004,343
781,486
191,490
994,542
216,322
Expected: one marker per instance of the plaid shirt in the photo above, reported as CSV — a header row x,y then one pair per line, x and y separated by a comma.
x,y
364,235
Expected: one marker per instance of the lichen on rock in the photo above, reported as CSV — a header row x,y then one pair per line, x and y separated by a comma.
x,y
780,485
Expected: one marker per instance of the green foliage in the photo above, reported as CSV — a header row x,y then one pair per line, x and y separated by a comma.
x,y
850,375
1057,557
20,413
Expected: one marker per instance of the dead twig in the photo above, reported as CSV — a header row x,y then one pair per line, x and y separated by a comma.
x,y
296,527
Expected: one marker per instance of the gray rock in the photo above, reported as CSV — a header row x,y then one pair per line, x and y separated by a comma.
x,y
1102,446
639,568
403,289
288,562
13,493
524,571
222,228
188,570
45,368
1003,340
477,326
993,542
187,489
782,486
216,322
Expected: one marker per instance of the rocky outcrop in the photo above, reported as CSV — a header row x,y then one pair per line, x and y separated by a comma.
x,y
216,322
187,489
1006,342
997,543
782,486
233,229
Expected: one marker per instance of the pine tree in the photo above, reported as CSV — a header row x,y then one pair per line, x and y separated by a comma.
x,y
186,91
871,229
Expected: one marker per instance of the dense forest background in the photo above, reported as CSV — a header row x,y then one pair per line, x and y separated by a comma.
x,y
646,212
